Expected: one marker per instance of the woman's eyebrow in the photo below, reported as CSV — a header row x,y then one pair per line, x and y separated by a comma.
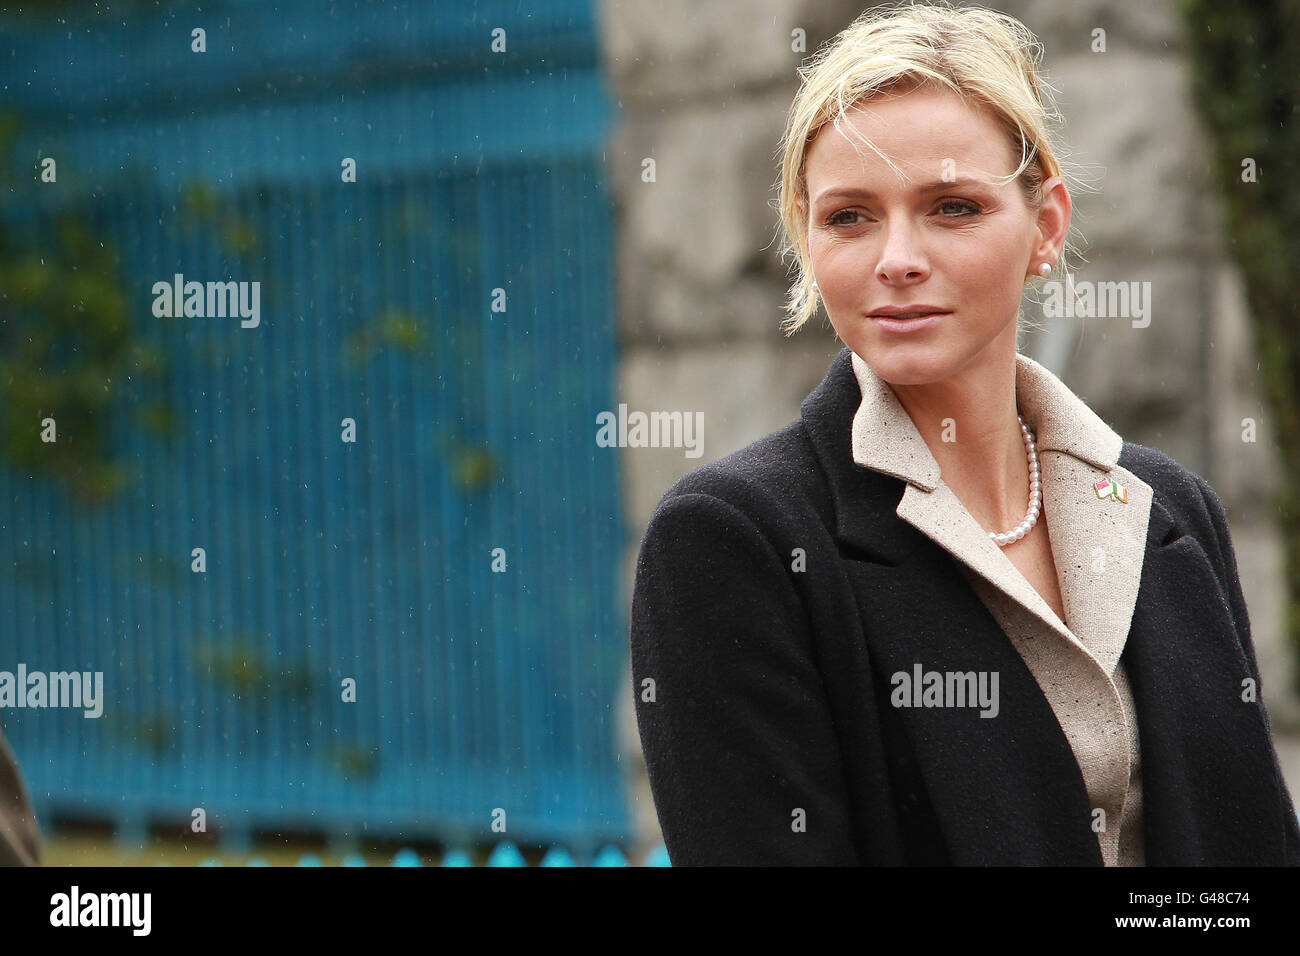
x,y
854,192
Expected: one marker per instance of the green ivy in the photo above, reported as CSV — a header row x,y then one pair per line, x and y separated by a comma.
x,y
1247,87
68,349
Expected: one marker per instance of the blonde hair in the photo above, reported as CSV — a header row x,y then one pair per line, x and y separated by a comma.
x,y
987,58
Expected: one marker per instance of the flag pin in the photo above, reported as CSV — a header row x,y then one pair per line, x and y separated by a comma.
x,y
1111,489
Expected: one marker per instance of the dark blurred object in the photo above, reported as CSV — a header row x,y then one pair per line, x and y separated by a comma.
x,y
19,837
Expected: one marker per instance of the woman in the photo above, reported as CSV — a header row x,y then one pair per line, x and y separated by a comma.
x,y
948,616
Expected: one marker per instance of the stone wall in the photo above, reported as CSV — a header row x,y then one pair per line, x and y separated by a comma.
x,y
703,90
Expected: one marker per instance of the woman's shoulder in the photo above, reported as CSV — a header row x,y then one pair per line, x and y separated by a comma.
x,y
1188,498
775,479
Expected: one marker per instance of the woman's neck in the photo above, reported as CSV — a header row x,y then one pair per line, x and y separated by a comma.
x,y
969,423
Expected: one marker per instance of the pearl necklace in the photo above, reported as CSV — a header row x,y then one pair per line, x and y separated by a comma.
x,y
1035,494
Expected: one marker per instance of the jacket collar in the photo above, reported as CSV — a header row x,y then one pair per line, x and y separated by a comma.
x,y
865,438
885,438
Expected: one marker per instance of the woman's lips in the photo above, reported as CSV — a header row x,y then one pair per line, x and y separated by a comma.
x,y
890,324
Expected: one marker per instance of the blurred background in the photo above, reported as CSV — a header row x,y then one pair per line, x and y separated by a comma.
x,y
357,575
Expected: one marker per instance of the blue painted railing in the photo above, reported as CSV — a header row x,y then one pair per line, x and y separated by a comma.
x,y
477,691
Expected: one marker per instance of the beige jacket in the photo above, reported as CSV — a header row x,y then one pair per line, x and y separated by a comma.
x,y
1098,545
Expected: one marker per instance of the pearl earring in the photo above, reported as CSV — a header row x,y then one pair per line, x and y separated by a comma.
x,y
814,286
1045,269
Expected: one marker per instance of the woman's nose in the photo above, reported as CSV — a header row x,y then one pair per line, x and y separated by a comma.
x,y
901,260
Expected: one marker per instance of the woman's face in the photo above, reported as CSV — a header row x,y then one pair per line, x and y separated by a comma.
x,y
951,238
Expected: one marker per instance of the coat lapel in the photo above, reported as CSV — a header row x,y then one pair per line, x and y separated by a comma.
x,y
1097,544
1011,798
1008,790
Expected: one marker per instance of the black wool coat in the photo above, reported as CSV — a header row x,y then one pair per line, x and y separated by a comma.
x,y
763,693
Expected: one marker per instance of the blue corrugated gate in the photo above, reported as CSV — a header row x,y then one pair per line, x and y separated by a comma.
x,y
476,171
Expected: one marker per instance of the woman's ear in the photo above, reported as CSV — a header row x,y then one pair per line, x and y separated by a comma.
x,y
1054,213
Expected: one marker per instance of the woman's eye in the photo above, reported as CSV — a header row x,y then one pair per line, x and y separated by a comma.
x,y
835,219
949,208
